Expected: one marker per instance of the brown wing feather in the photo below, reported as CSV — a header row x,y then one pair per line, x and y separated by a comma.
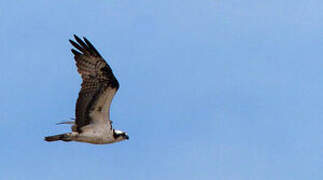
x,y
97,76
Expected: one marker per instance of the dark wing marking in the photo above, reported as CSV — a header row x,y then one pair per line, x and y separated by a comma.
x,y
97,79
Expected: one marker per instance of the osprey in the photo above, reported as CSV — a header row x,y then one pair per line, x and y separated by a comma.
x,y
99,85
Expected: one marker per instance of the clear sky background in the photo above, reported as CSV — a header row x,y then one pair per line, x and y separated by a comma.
x,y
212,89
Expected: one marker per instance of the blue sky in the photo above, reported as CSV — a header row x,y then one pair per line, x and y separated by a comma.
x,y
228,90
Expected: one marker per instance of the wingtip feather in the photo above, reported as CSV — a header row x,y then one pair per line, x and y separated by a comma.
x,y
76,53
92,48
75,36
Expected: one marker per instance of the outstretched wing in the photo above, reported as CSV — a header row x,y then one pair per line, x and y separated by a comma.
x,y
99,85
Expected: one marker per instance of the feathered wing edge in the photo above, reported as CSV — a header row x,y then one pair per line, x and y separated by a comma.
x,y
86,48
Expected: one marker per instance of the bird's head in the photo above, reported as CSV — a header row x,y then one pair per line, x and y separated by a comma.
x,y
119,135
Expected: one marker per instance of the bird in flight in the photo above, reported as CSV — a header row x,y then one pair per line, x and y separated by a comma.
x,y
99,85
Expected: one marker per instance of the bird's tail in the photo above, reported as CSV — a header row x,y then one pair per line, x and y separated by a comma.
x,y
64,137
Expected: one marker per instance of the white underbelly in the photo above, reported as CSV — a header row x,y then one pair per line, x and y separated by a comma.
x,y
95,134
94,139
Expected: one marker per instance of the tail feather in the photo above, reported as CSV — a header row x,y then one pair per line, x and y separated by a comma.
x,y
64,137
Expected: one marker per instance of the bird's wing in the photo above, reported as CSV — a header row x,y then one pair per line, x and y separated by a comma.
x,y
99,85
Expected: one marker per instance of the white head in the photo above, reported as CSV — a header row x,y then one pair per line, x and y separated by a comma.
x,y
119,135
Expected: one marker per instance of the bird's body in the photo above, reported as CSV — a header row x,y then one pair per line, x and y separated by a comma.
x,y
93,135
99,85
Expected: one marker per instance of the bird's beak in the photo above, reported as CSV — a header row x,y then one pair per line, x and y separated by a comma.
x,y
127,137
